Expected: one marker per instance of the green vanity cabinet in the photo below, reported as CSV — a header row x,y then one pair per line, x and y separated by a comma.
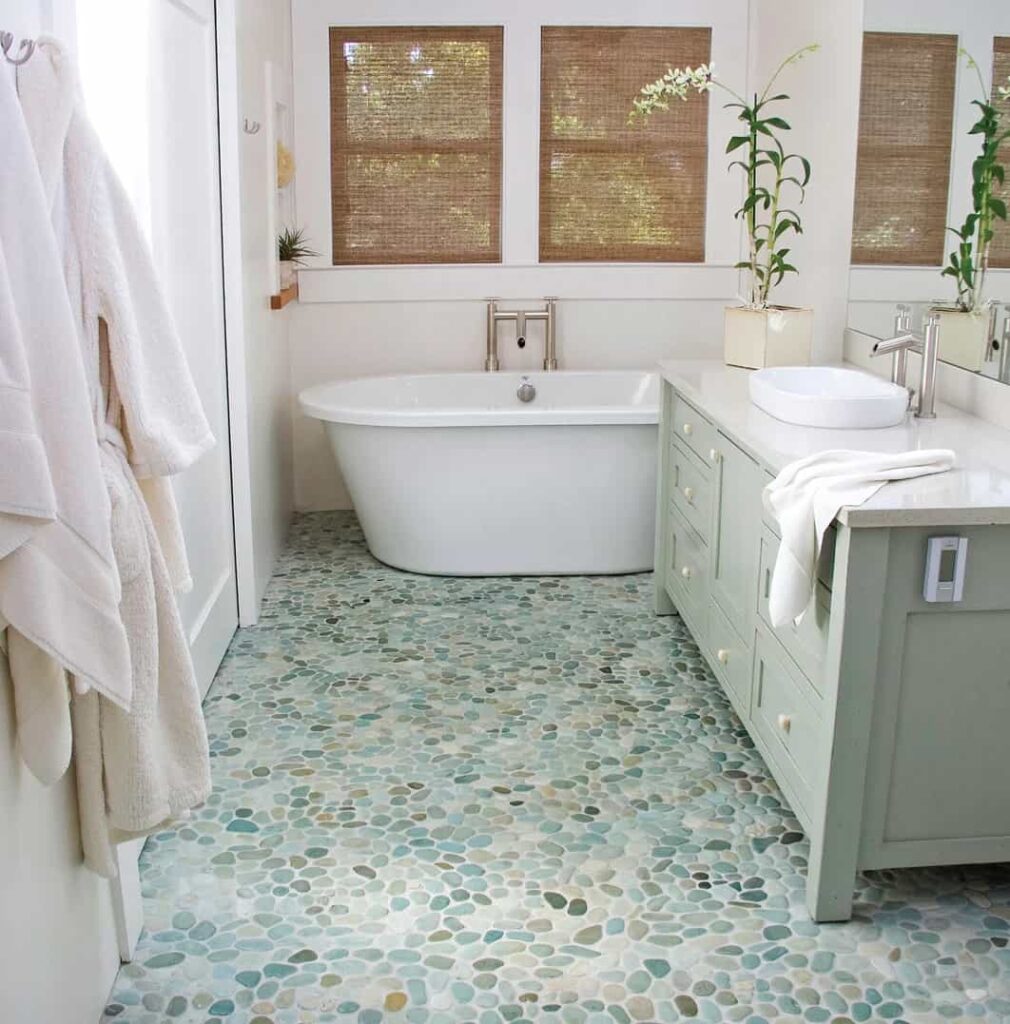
x,y
882,717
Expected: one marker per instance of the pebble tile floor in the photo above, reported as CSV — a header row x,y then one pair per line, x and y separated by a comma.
x,y
512,800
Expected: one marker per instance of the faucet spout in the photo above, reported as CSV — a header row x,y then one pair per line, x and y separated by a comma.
x,y
928,347
899,343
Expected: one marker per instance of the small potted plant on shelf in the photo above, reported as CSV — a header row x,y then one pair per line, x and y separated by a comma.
x,y
967,326
292,251
757,333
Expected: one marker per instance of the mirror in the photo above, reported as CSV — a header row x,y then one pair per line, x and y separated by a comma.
x,y
928,234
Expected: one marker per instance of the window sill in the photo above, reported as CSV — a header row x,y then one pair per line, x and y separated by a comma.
x,y
286,295
479,281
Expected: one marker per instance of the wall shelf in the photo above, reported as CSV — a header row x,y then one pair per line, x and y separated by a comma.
x,y
286,295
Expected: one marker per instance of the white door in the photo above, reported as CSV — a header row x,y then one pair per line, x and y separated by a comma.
x,y
157,116
185,217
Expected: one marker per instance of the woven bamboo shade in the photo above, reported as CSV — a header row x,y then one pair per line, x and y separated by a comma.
x,y
999,254
906,114
609,190
416,141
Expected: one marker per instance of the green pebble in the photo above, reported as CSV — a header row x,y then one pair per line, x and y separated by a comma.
x,y
165,960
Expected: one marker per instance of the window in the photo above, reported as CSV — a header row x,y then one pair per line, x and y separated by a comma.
x,y
999,254
416,142
906,114
609,190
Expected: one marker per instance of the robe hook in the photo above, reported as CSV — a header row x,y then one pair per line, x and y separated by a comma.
x,y
250,127
25,49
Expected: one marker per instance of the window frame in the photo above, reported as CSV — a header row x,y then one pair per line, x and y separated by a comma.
x,y
520,275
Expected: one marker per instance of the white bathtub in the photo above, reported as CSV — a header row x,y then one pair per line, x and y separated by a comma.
x,y
450,474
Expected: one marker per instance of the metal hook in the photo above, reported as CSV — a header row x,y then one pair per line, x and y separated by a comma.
x,y
250,127
25,49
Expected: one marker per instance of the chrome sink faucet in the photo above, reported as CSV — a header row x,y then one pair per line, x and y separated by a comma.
x,y
927,346
520,317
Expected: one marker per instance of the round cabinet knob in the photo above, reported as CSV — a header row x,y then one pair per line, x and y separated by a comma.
x,y
689,493
688,429
722,655
785,722
687,572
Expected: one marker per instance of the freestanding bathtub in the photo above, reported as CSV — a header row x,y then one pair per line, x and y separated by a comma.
x,y
451,474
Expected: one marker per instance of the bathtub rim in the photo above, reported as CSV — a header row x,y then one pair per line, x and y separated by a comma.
x,y
317,403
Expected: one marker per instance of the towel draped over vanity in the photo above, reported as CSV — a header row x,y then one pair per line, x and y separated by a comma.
x,y
805,498
140,753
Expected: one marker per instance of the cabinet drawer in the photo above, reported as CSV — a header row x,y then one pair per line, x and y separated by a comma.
x,y
687,424
691,490
686,574
788,721
807,642
731,659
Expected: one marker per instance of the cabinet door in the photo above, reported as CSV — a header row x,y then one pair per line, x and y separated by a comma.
x,y
736,531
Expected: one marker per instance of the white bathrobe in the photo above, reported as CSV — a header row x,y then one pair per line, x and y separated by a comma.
x,y
59,585
136,769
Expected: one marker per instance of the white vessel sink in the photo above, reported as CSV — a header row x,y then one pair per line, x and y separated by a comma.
x,y
828,396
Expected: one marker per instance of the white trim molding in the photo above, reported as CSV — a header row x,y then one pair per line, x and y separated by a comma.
x,y
561,280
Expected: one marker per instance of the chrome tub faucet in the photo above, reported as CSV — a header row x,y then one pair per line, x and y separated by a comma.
x,y
520,318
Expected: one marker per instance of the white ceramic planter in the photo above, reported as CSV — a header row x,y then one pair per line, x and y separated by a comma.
x,y
287,274
964,337
776,336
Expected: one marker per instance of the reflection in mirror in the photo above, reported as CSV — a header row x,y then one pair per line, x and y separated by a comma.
x,y
930,232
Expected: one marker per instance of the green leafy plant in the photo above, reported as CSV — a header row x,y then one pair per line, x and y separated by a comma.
x,y
292,246
969,262
768,169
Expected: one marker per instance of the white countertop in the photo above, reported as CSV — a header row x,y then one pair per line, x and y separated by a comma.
x,y
976,492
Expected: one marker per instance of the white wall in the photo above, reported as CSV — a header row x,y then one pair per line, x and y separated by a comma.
x,y
58,952
361,321
824,113
255,54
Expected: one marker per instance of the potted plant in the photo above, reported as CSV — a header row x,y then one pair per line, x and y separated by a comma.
x,y
292,251
757,333
967,326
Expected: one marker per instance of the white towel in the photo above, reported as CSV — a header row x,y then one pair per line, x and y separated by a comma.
x,y
805,498
139,767
58,585
139,770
